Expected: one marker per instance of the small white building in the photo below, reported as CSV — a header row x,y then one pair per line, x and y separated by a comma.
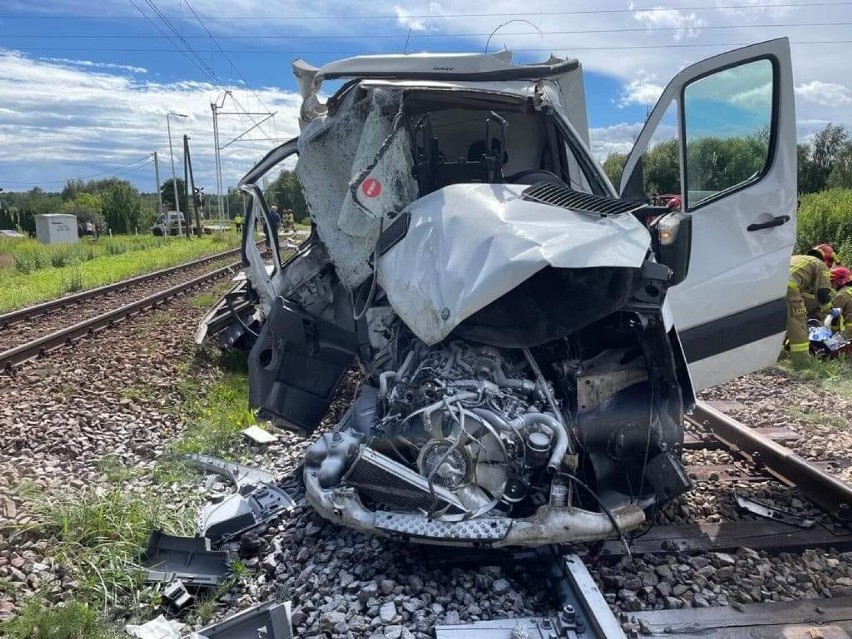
x,y
56,228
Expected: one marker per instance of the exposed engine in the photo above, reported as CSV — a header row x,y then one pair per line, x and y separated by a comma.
x,y
470,444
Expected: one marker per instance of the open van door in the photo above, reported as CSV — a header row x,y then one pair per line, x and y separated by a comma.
x,y
737,145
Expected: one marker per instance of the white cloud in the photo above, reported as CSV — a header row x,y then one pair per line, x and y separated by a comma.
x,y
682,24
97,65
616,138
827,94
406,21
644,90
61,121
757,99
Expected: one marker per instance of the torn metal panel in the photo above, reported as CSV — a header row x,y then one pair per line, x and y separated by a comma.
x,y
237,473
252,506
762,509
269,620
356,169
474,243
188,559
232,309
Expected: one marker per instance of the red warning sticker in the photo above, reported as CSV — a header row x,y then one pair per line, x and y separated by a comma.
x,y
372,187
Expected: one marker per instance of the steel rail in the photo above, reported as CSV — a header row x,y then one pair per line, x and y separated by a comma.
x,y
36,310
70,334
828,492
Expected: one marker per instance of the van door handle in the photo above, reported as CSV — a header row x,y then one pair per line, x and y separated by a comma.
x,y
778,220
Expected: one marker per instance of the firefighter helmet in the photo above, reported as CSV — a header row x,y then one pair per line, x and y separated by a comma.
x,y
825,253
841,276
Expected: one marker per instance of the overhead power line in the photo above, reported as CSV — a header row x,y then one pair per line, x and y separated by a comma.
x,y
124,168
421,36
361,52
447,16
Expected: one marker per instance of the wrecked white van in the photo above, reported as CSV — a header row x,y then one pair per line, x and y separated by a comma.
x,y
527,338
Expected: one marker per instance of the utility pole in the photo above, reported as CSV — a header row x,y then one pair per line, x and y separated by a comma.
x,y
186,183
157,187
174,178
218,158
191,184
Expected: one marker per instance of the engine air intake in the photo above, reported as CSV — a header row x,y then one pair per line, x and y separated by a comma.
x,y
563,197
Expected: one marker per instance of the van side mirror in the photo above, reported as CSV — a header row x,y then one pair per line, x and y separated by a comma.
x,y
672,242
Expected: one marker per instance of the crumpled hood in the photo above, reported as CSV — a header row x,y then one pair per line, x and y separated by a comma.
x,y
469,244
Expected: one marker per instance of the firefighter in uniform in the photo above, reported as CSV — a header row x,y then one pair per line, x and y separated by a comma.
x,y
809,275
841,315
827,255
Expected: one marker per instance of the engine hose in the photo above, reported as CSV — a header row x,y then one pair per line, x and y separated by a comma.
x,y
563,427
431,408
560,434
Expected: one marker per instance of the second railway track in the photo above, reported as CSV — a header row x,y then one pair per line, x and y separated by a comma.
x,y
42,309
61,322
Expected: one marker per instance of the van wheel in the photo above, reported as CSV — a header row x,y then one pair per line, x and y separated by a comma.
x,y
158,232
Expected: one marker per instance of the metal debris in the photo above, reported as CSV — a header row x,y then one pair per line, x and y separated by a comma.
x,y
269,620
188,559
176,595
237,473
260,436
762,509
248,508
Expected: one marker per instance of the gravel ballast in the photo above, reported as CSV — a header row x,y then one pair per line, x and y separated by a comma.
x,y
119,395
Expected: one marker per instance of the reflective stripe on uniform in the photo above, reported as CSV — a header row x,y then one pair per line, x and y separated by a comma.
x,y
799,347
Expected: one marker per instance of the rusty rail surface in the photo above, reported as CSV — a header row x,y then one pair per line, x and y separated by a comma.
x,y
23,314
70,334
828,492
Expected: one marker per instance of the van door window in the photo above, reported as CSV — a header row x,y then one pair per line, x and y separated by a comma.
x,y
728,127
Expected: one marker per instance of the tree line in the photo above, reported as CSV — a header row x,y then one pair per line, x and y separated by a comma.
x,y
111,204
717,163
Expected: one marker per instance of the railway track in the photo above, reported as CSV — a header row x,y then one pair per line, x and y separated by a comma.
x,y
44,308
582,612
761,456
30,349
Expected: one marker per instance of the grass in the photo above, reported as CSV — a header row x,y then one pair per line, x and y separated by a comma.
x,y
203,300
100,536
206,604
140,390
216,418
112,259
27,255
115,471
72,620
832,375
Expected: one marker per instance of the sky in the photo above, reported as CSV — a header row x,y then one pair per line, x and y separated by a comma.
x,y
86,85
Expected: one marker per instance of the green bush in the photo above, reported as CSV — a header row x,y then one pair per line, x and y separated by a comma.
x,y
31,257
826,217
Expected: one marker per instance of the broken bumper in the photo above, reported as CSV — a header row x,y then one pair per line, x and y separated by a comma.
x,y
550,525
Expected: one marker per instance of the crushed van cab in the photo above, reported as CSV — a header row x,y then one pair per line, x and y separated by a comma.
x,y
526,338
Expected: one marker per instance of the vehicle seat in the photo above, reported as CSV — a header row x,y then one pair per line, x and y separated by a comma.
x,y
535,176
476,150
